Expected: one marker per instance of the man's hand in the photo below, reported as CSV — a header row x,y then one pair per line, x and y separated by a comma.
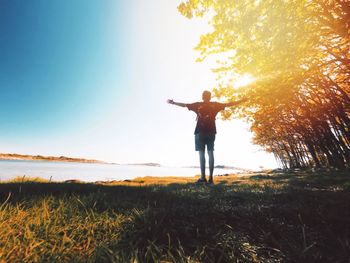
x,y
176,103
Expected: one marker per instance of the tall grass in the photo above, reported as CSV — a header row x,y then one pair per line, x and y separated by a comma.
x,y
262,218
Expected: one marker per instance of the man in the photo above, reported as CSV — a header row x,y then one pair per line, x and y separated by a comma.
x,y
205,129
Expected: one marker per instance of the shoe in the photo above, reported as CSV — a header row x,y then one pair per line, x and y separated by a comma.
x,y
210,181
201,180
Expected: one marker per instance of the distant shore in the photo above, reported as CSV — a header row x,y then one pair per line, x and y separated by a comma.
x,y
25,157
146,164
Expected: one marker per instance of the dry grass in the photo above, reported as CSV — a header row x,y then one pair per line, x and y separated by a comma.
x,y
167,180
267,217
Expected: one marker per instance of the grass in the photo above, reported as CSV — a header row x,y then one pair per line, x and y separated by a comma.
x,y
266,217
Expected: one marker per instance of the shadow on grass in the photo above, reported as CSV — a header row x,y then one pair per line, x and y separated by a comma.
x,y
283,219
321,180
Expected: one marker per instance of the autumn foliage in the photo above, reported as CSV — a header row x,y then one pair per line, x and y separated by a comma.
x,y
299,53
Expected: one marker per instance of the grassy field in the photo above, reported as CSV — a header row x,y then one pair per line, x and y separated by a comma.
x,y
266,217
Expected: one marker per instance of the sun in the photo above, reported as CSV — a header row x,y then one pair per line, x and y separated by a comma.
x,y
243,80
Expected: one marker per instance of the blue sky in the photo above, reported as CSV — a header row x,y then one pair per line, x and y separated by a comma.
x,y
56,58
89,78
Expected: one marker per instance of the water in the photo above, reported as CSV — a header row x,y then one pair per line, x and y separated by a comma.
x,y
90,172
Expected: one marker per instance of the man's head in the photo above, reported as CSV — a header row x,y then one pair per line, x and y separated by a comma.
x,y
206,96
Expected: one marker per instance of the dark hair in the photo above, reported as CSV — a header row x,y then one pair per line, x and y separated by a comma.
x,y
206,95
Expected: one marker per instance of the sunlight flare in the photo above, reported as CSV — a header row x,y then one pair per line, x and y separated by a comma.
x,y
244,80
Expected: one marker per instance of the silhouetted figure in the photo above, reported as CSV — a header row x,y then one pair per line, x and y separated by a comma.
x,y
205,129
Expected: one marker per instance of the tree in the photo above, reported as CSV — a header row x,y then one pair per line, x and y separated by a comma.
x,y
299,53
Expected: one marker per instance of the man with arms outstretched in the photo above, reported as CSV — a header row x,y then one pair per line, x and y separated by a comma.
x,y
205,129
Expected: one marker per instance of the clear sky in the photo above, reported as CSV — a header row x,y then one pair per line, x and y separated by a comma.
x,y
90,79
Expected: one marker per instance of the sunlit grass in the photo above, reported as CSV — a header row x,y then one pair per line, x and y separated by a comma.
x,y
266,217
22,179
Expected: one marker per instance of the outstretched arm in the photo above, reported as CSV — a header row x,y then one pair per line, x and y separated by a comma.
x,y
234,103
177,103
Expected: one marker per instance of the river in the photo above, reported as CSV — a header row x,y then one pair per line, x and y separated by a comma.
x,y
91,172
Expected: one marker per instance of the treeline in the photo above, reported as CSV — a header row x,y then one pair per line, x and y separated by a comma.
x,y
313,130
299,52
313,127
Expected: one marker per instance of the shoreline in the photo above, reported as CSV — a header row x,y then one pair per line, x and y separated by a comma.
x,y
27,157
140,180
